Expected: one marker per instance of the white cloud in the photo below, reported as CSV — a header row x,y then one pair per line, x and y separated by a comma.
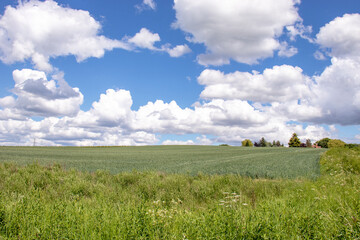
x,y
145,39
37,96
337,92
40,30
341,36
146,4
177,142
287,51
111,121
150,3
279,84
319,55
178,50
299,30
244,31
113,108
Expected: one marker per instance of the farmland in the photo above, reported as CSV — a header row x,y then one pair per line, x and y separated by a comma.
x,y
253,162
51,201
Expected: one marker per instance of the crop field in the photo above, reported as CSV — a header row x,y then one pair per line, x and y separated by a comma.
x,y
254,162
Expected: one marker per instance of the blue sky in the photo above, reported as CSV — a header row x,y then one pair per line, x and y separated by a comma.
x,y
140,72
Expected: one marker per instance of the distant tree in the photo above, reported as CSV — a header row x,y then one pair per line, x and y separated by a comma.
x,y
323,142
273,143
263,142
247,143
352,145
336,143
294,141
278,144
303,145
256,144
308,143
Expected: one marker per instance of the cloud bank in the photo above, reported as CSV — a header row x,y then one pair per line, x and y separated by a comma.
x,y
244,31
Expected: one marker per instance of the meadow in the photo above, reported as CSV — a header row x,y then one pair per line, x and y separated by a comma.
x,y
53,202
253,162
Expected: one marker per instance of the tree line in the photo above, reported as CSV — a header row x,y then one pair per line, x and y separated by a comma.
x,y
294,141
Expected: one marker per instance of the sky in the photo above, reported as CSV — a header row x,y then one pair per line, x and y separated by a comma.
x,y
151,72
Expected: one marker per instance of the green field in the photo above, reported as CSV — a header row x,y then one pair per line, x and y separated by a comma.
x,y
51,202
253,162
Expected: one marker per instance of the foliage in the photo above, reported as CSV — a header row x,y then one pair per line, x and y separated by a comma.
x,y
308,143
253,162
352,145
224,145
323,142
247,143
336,143
294,141
51,202
303,145
263,143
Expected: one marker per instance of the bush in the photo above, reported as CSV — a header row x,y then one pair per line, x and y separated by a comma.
x,y
323,142
247,143
336,143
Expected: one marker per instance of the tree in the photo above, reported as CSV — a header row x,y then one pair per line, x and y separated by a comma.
x,y
247,143
308,143
323,142
278,144
294,141
336,143
256,144
262,142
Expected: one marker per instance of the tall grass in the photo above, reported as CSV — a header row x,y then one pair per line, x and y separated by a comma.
x,y
50,202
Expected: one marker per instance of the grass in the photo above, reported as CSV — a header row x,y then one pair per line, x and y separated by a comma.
x,y
254,162
38,202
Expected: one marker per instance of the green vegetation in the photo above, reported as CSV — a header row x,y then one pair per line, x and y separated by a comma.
x,y
336,143
323,142
253,162
294,141
247,143
51,202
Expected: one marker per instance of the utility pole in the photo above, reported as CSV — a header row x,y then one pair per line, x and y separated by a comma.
x,y
34,142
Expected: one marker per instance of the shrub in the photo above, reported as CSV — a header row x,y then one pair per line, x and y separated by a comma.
x,y
336,143
247,143
323,142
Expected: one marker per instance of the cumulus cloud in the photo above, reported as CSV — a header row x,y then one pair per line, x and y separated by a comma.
x,y
37,96
341,36
111,121
279,84
146,4
146,39
40,30
338,92
319,55
178,50
177,142
287,51
244,31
